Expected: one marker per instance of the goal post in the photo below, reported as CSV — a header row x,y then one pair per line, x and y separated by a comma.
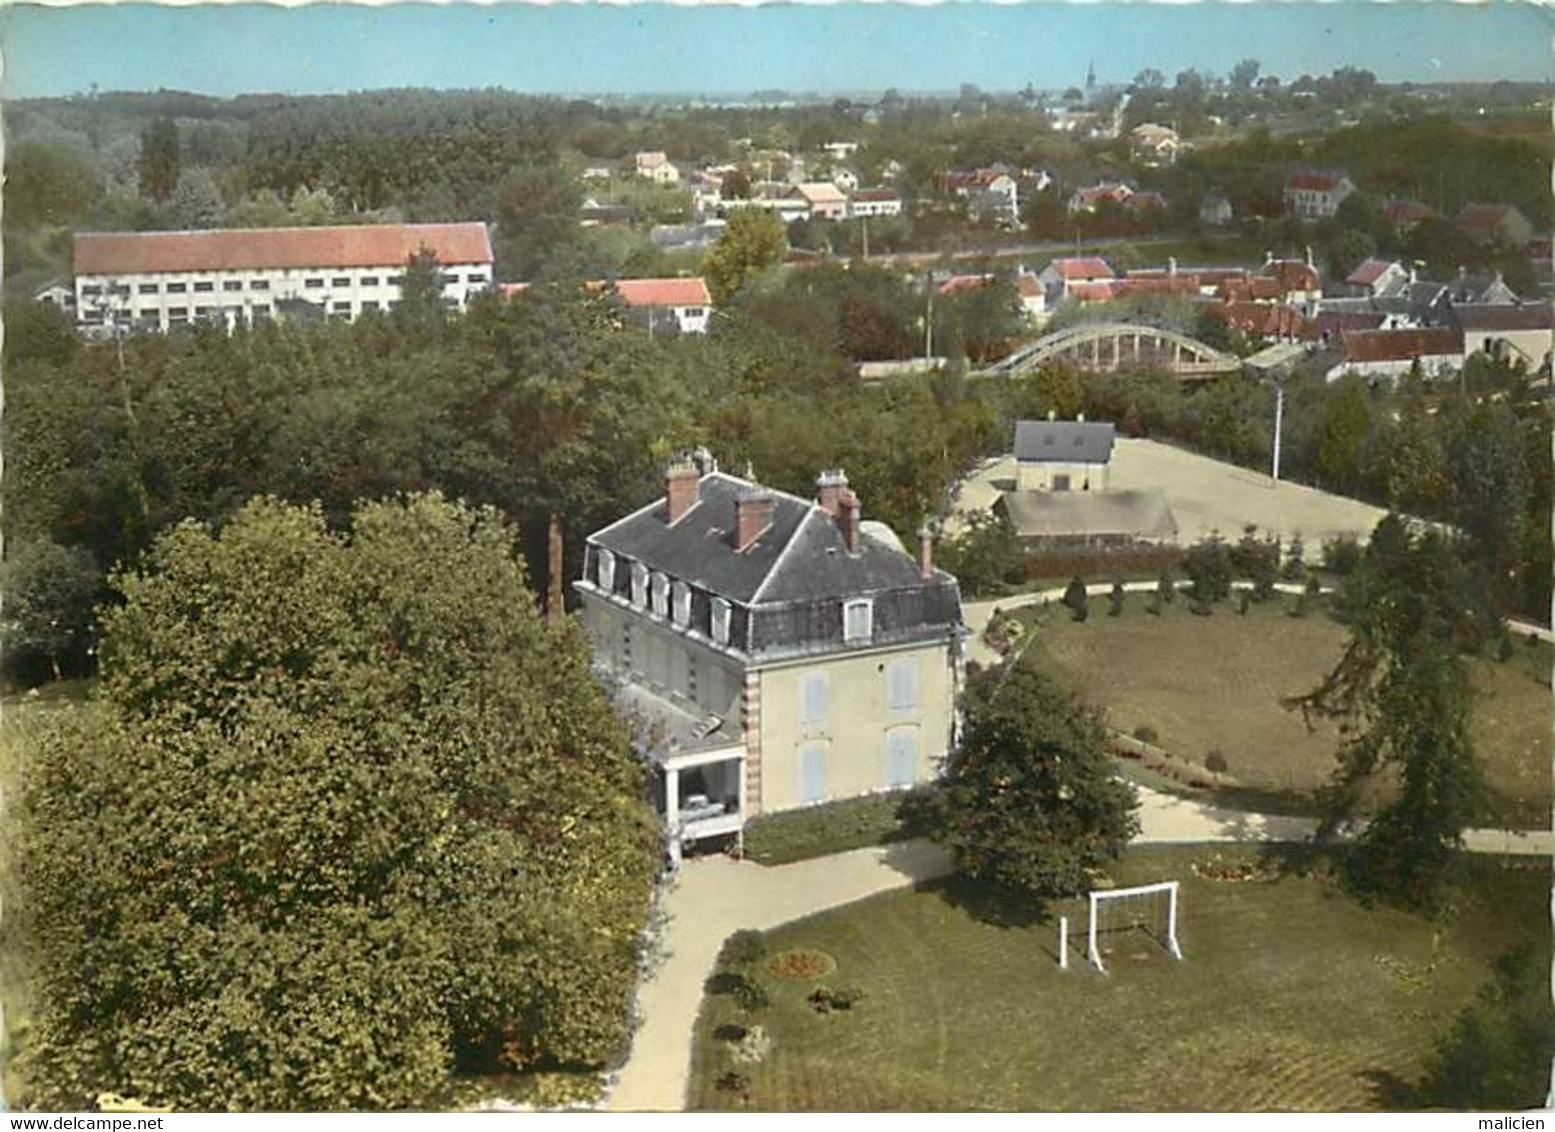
x,y
1102,898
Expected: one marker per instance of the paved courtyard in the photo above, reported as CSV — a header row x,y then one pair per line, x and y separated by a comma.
x,y
1205,496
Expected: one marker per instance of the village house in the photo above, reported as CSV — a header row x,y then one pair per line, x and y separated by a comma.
x,y
1316,194
653,165
1092,198
1405,214
163,280
777,652
681,303
845,178
1062,494
841,150
1062,276
707,191
1513,333
57,293
1481,289
1376,276
1153,145
1394,353
824,200
1215,211
1033,296
875,202
1502,224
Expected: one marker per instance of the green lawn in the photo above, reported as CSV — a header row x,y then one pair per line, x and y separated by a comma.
x,y
1215,683
819,831
22,718
1291,996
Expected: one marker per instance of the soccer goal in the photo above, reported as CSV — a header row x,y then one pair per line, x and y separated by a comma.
x,y
1149,910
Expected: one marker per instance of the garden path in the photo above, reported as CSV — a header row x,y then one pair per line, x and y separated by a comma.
x,y
712,897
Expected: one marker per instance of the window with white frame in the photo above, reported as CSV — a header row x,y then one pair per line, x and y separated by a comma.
x,y
814,691
901,685
858,620
661,594
680,600
721,620
607,571
639,585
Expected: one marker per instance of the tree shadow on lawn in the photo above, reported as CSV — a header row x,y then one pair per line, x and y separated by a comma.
x,y
989,904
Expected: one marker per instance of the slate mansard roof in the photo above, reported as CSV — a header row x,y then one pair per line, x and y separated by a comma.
x,y
788,587
1063,442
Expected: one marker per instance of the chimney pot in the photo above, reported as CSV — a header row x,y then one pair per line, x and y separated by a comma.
x,y
752,516
829,487
682,489
925,552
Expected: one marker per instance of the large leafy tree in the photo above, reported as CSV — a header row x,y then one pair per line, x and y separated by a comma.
x,y
49,591
752,242
1402,698
160,159
1029,801
348,817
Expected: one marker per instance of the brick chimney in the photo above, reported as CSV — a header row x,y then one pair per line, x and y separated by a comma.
x,y
681,489
925,552
829,486
752,516
847,519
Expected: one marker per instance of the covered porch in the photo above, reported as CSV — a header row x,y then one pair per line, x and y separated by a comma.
x,y
698,769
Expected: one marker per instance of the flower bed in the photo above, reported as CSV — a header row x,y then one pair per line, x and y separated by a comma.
x,y
801,963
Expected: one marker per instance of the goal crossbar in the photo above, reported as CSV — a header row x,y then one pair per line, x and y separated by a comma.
x,y
1097,898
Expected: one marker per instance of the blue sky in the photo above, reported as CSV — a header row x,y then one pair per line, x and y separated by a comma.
x,y
594,48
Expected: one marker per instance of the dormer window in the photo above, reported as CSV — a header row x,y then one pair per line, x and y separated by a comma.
x,y
720,620
680,600
639,585
661,595
607,571
858,621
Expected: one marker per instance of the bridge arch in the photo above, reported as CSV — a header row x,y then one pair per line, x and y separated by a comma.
x,y
1102,347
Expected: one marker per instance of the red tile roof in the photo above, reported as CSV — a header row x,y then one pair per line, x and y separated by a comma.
x,y
1399,345
1099,292
234,249
1292,275
664,292
670,292
1315,182
876,194
1028,285
1267,319
1483,215
1408,211
1336,322
1084,267
1368,272
962,282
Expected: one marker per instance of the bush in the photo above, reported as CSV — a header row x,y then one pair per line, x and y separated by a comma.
x,y
1505,650
1295,567
1216,762
1116,600
825,1000
1077,599
1208,566
743,950
1146,734
1341,555
1244,599
1199,607
1166,588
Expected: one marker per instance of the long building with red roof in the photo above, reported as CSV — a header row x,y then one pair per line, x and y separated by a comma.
x,y
162,280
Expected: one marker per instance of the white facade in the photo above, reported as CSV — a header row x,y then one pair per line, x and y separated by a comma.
x,y
166,300
871,205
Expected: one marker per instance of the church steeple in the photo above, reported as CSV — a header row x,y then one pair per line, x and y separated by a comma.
x,y
1090,76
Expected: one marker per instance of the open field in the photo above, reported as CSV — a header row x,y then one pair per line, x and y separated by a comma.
x,y
1206,496
1291,996
1215,683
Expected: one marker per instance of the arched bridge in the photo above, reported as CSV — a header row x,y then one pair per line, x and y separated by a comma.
x,y
1102,347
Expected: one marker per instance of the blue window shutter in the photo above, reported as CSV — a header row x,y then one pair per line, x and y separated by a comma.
x,y
812,773
901,756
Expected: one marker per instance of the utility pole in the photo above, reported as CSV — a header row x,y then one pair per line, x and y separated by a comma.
x,y
928,324
1279,419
